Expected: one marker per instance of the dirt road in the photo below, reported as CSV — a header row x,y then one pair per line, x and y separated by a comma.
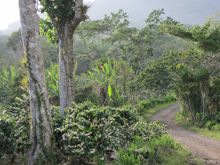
x,y
204,147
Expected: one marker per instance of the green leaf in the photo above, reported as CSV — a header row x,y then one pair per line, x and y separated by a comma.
x,y
107,68
109,91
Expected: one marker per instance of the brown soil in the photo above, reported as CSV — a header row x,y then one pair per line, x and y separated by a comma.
x,y
201,146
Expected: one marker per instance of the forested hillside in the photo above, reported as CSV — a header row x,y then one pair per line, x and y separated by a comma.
x,y
83,92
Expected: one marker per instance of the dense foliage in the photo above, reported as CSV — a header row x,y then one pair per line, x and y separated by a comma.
x,y
90,130
193,73
153,152
60,10
15,128
120,73
13,83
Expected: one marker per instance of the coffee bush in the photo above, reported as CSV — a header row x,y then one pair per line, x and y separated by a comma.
x,y
89,130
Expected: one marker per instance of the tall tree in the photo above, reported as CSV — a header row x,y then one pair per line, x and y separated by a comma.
x,y
41,130
65,15
206,36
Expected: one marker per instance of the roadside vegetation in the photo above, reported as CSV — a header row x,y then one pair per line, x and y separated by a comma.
x,y
210,129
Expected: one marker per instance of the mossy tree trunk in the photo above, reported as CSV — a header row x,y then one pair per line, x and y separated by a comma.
x,y
66,66
66,55
65,17
41,128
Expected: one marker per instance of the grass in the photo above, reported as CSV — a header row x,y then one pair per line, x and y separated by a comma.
x,y
206,132
181,120
180,157
160,151
152,111
170,152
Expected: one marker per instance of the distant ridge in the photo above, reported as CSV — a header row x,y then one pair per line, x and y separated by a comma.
x,y
11,28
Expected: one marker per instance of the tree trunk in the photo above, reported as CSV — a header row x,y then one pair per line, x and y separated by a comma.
x,y
190,108
66,63
41,128
205,100
66,57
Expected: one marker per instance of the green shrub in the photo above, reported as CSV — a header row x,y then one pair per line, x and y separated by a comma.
x,y
183,117
145,152
87,93
148,131
133,154
152,102
15,128
163,143
57,124
52,78
210,122
7,134
169,98
90,130
20,112
216,127
11,84
128,157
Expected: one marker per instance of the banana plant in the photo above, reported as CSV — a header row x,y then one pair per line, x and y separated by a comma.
x,y
52,78
8,84
105,76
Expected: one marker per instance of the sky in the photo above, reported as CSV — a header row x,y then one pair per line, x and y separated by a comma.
x,y
185,11
9,12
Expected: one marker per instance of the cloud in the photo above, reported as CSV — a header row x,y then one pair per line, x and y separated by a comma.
x,y
8,13
88,2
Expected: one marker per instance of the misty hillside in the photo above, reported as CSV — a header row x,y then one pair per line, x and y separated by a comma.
x,y
11,28
187,12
